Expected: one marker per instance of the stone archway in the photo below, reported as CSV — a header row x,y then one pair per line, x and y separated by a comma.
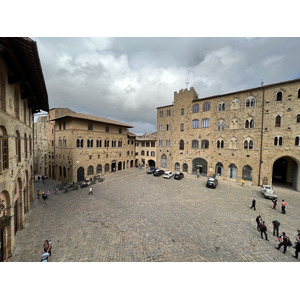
x,y
151,163
286,172
199,165
119,166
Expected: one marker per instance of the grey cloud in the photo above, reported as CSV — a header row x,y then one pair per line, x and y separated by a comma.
x,y
127,78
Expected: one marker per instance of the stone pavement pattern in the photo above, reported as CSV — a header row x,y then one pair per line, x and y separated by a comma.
x,y
136,217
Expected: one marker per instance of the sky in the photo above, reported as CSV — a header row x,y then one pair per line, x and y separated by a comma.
x,y
126,78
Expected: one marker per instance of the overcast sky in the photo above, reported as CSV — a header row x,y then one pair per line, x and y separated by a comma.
x,y
125,79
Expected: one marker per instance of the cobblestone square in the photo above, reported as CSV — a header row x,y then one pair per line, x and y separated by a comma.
x,y
136,217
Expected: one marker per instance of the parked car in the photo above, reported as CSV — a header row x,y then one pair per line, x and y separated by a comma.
x,y
212,182
178,175
268,192
168,174
158,172
151,170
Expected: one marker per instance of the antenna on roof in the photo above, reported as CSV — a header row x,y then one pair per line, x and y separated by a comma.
x,y
187,82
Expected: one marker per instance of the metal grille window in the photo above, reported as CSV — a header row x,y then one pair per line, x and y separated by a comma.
x,y
90,170
205,123
206,106
195,144
195,123
106,168
177,167
247,173
99,169
195,108
3,153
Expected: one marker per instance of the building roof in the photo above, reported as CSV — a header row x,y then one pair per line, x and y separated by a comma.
x,y
248,90
147,137
24,67
72,114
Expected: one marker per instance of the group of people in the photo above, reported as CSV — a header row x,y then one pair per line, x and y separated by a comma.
x,y
45,196
274,201
43,178
46,250
283,239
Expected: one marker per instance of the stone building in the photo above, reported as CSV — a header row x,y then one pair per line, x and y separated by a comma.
x,y
146,149
22,93
81,146
251,134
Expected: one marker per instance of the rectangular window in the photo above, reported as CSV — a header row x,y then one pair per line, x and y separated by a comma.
x,y
106,128
161,114
168,143
160,127
120,130
90,126
182,111
181,127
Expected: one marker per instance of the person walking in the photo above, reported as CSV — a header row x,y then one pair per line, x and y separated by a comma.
x,y
283,205
276,225
284,241
274,203
243,182
258,221
253,204
56,191
263,230
297,244
91,191
48,194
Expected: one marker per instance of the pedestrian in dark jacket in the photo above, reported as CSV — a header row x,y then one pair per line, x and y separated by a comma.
x,y
297,244
263,230
258,221
276,225
284,241
253,204
274,203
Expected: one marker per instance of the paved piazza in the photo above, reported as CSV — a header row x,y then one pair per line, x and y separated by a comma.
x,y
133,216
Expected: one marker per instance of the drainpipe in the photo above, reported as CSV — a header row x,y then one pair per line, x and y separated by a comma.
x,y
261,133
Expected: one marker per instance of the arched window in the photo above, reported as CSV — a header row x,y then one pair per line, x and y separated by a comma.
x,y
298,93
18,146
232,171
252,102
247,173
177,166
219,169
205,123
164,161
235,104
221,106
106,168
16,103
249,123
120,143
99,143
220,144
205,144
206,106
234,124
195,144
195,108
143,153
181,145
221,125
278,121
298,118
3,149
99,169
65,172
25,145
60,171
2,94
185,168
195,123
90,170
233,143
79,143
279,96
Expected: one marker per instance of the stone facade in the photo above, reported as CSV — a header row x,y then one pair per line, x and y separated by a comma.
x,y
251,134
82,146
146,149
17,107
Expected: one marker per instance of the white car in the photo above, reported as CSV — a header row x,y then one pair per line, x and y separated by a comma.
x,y
168,174
268,192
